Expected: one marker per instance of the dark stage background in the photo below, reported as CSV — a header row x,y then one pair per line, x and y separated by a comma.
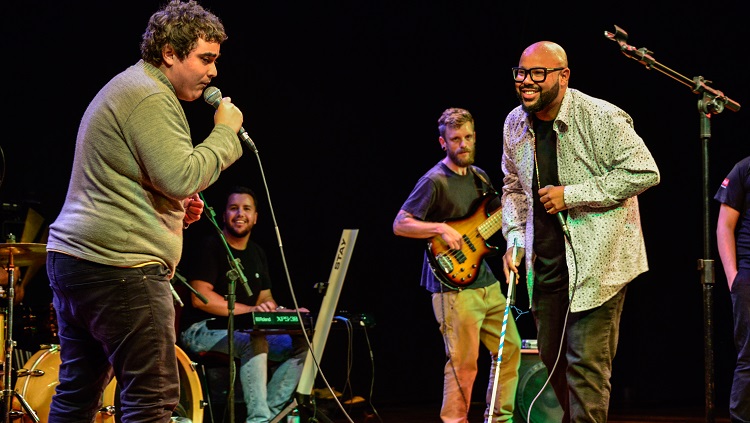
x,y
342,100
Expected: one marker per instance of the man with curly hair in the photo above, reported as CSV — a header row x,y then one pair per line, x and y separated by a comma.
x,y
118,238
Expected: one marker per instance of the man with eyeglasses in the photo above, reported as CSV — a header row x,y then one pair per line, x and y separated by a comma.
x,y
573,167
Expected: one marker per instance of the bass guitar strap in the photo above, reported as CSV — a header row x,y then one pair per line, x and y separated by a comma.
x,y
482,181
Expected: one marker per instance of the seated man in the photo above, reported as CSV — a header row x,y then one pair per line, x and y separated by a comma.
x,y
206,267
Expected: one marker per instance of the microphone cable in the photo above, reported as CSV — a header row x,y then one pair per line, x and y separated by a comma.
x,y
566,236
562,335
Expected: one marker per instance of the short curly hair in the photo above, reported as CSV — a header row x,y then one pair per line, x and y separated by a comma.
x,y
180,25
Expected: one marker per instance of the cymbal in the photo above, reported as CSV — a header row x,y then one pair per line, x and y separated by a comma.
x,y
24,253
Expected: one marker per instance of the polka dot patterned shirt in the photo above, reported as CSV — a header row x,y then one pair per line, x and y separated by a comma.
x,y
603,164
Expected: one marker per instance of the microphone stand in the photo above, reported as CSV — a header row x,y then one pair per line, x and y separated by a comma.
x,y
234,273
212,96
184,281
711,103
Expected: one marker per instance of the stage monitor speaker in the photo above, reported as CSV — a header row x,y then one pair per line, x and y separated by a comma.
x,y
531,377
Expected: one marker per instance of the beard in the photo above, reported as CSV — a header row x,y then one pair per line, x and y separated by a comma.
x,y
545,98
463,162
238,234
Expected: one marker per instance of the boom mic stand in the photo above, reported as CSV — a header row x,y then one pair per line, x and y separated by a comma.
x,y
233,274
184,281
712,102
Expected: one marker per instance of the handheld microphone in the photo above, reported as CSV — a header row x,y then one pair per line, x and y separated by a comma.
x,y
212,96
562,221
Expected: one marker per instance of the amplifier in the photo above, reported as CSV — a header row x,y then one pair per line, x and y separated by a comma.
x,y
532,376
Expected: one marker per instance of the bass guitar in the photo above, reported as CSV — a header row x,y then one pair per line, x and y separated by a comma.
x,y
459,268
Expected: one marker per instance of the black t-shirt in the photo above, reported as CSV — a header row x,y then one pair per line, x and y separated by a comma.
x,y
440,195
550,268
209,261
735,192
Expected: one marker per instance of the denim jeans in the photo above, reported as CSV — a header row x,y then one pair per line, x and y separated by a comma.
x,y
581,378
264,398
113,321
466,318
739,398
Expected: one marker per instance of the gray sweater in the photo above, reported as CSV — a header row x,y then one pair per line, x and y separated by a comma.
x,y
134,165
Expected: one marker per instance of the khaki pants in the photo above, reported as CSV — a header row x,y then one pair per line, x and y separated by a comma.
x,y
466,318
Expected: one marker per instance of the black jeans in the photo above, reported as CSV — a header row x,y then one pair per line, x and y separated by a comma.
x,y
589,342
113,321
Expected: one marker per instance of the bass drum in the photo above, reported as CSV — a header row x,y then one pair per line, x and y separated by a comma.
x,y
37,381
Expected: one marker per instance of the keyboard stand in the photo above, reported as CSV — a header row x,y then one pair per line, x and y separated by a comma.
x,y
303,400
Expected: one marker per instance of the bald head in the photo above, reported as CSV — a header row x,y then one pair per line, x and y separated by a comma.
x,y
547,52
542,94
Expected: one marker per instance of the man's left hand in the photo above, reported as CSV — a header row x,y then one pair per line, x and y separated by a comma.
x,y
193,209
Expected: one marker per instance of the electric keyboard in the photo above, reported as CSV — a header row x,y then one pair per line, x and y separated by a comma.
x,y
264,320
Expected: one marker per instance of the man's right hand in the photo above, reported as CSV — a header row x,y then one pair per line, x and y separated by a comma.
x,y
510,265
451,236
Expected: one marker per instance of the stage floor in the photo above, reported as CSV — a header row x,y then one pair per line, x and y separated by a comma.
x,y
430,413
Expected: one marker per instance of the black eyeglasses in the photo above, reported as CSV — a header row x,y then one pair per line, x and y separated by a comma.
x,y
537,74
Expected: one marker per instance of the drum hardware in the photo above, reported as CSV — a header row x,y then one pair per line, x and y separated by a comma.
x,y
29,319
108,410
17,254
27,372
52,322
40,376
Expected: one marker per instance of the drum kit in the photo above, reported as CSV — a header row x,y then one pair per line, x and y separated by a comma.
x,y
35,384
